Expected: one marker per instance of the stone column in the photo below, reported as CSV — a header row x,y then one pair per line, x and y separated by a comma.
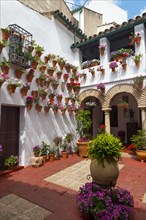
x,y
143,118
107,119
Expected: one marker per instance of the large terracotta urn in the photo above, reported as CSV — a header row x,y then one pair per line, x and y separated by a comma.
x,y
104,174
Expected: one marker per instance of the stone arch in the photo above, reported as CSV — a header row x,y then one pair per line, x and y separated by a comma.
x,y
142,101
120,89
91,92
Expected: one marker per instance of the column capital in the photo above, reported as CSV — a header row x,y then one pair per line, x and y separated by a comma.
x,y
106,110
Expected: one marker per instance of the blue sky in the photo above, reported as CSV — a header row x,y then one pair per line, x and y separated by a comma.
x,y
133,7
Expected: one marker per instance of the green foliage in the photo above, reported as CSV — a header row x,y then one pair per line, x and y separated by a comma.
x,y
105,146
137,57
69,137
38,48
44,148
5,62
83,122
139,140
11,161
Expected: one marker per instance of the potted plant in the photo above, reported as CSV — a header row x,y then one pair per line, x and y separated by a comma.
x,y
42,93
137,59
63,146
29,102
123,104
59,74
51,70
135,38
121,53
25,88
3,78
34,61
95,201
61,62
92,71
138,81
68,67
51,154
3,44
19,72
113,65
101,69
13,84
95,62
84,122
101,48
101,86
36,150
44,151
5,33
104,152
38,50
41,79
5,66
11,162
139,141
74,69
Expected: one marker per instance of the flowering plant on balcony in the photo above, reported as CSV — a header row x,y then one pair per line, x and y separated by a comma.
x,y
134,38
14,81
95,62
113,65
99,202
100,86
122,53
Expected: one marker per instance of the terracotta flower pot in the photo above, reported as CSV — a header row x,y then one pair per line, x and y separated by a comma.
x,y
141,155
5,69
18,73
34,64
30,76
34,94
54,62
101,50
46,109
38,53
29,106
11,88
5,34
24,91
64,154
38,108
137,40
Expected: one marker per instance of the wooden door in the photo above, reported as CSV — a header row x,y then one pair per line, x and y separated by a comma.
x,y
9,132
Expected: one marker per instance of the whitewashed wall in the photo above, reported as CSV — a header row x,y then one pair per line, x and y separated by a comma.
x,y
55,38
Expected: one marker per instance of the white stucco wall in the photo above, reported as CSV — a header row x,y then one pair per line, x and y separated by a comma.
x,y
55,38
111,12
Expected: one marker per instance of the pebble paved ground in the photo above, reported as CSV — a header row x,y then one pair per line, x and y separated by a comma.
x,y
38,199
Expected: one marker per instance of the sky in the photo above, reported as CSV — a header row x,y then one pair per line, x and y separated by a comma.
x,y
133,7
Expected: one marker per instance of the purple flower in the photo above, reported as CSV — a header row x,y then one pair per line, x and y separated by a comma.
x,y
113,64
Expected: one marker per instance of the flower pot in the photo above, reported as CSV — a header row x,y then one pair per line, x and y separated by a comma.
x,y
18,73
43,96
104,175
38,54
65,77
83,148
24,91
68,69
51,157
64,154
66,100
42,69
11,88
55,110
124,66
5,34
39,82
141,155
38,108
46,59
1,48
44,158
74,71
101,51
102,71
55,86
34,64
59,75
113,69
61,66
29,106
54,62
5,69
137,40
36,154
34,94
46,109
47,83
102,90
50,72
137,63
76,90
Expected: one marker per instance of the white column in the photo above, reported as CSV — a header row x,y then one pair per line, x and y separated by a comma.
x,y
143,118
106,57
107,119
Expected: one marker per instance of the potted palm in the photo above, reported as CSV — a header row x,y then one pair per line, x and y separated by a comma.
x,y
104,152
84,122
139,141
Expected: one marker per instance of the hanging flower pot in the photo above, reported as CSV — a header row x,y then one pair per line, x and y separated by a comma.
x,y
34,64
59,74
67,100
72,80
30,75
51,96
46,109
137,40
40,82
101,48
5,33
34,94
24,91
38,108
46,83
19,72
38,53
65,77
92,71
29,106
69,87
124,66
42,69
11,88
137,63
38,50
46,59
55,85
55,110
54,62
